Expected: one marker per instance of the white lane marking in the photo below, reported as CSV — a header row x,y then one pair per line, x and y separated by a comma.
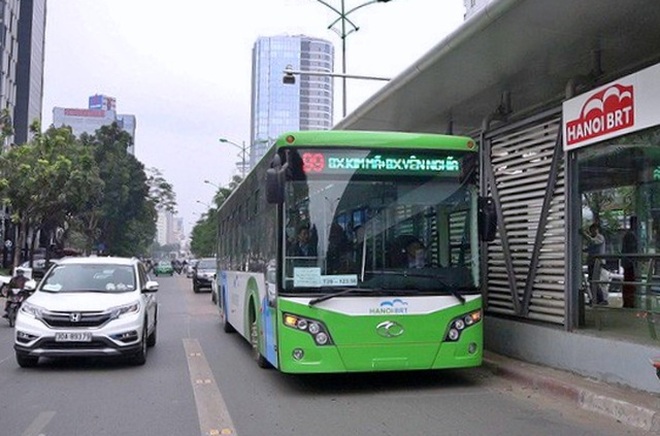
x,y
39,424
212,411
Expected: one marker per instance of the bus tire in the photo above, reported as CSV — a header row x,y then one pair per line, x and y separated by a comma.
x,y
254,342
226,327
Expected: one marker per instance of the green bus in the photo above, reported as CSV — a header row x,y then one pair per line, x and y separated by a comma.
x,y
355,251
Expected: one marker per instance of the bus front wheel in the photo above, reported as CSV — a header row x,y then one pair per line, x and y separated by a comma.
x,y
254,341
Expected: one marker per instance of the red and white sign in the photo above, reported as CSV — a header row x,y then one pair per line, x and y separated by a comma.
x,y
96,113
629,104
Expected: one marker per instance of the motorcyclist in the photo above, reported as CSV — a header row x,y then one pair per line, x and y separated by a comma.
x,y
18,281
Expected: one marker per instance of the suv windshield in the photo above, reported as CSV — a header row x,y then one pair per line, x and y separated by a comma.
x,y
90,278
400,232
206,264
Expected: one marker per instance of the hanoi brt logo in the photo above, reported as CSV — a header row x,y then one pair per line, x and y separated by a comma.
x,y
390,307
605,112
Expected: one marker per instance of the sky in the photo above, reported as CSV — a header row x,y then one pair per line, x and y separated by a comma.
x,y
183,69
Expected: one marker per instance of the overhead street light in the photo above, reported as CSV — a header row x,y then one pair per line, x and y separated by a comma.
x,y
243,149
204,204
212,184
343,32
290,75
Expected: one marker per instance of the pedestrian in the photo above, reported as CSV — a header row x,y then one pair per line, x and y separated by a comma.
x,y
629,246
595,246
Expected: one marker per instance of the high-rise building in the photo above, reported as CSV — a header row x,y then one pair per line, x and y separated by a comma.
x,y
101,111
474,6
29,68
9,13
279,107
98,101
169,228
22,25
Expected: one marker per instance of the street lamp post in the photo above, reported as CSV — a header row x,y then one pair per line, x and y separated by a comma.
x,y
208,182
243,149
343,33
289,74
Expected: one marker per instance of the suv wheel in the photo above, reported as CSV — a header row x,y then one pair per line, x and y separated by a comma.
x,y
151,339
140,358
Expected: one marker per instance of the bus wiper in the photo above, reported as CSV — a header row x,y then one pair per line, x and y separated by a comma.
x,y
333,295
453,289
455,292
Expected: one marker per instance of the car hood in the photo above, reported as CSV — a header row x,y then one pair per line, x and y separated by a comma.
x,y
82,301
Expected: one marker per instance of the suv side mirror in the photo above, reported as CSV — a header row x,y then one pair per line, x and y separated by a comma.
x,y
150,286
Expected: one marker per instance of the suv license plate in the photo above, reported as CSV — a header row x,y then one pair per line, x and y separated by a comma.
x,y
73,337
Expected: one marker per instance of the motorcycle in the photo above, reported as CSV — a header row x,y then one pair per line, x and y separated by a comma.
x,y
15,298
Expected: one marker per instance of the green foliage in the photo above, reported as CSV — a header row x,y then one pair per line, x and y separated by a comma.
x,y
204,237
89,188
126,215
6,125
160,191
47,180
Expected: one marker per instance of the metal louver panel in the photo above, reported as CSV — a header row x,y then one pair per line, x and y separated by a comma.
x,y
523,165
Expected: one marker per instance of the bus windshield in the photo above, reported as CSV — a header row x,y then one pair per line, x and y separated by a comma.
x,y
395,232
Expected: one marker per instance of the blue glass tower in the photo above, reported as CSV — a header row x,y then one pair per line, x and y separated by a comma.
x,y
279,107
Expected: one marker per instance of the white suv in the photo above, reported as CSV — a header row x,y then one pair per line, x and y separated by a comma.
x,y
89,306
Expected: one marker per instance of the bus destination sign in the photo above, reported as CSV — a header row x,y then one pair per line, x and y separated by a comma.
x,y
342,161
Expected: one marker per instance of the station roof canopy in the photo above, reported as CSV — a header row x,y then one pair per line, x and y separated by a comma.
x,y
529,50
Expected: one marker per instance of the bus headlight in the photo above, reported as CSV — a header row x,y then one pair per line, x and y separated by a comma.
x,y
321,338
459,324
316,329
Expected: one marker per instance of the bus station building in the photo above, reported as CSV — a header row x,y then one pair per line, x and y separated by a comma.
x,y
563,98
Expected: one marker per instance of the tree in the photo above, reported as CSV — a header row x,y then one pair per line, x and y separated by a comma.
x,y
160,191
126,214
46,180
204,235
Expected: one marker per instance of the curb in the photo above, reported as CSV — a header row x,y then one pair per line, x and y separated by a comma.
x,y
584,396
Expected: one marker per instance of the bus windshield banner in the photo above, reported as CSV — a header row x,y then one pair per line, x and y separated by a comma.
x,y
381,162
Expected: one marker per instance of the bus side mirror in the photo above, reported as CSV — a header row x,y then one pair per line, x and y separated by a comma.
x,y
274,194
275,181
469,166
487,219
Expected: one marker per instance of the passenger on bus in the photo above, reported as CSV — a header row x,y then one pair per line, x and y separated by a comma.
x,y
304,245
416,254
408,252
338,248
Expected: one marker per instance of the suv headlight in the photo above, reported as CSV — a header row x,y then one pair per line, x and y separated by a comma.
x,y
127,309
31,309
